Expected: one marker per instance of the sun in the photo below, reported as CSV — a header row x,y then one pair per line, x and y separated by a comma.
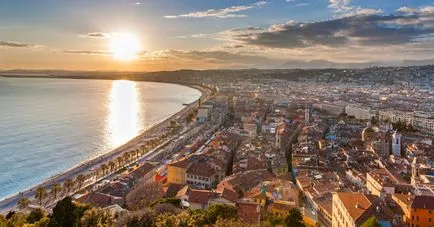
x,y
124,46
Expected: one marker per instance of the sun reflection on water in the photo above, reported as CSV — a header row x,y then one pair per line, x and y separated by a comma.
x,y
124,110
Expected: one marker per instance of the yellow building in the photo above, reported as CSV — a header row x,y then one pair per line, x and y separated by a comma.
x,y
176,172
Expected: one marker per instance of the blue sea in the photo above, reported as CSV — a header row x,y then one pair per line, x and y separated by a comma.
x,y
50,125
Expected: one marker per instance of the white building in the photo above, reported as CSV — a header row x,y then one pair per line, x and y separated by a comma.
x,y
424,122
396,116
360,112
419,120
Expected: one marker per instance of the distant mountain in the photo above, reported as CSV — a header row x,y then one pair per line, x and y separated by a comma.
x,y
418,62
321,64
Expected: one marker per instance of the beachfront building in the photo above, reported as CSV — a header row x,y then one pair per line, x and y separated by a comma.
x,y
204,113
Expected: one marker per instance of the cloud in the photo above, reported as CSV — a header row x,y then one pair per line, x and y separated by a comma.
x,y
359,30
15,44
86,52
229,12
99,35
344,8
424,11
301,4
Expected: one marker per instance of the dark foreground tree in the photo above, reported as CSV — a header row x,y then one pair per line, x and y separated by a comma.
x,y
294,219
67,214
35,216
96,217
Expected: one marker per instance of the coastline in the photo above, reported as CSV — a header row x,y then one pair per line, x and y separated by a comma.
x,y
151,131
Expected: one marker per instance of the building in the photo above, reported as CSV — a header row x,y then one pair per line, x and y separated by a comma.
x,y
424,122
418,211
204,113
197,171
201,175
249,212
381,181
360,112
306,116
250,127
335,109
395,116
353,209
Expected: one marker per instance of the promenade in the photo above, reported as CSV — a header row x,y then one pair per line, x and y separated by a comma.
x,y
88,166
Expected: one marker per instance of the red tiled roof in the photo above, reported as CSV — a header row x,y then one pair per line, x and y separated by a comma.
x,y
201,169
201,196
423,202
182,163
250,212
100,200
229,195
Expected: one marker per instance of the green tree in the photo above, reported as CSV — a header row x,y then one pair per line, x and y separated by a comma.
x,y
230,223
23,203
17,220
222,211
371,222
80,180
35,216
40,194
65,214
112,165
3,221
43,222
104,169
120,161
174,201
294,219
96,218
55,189
142,218
68,184
374,120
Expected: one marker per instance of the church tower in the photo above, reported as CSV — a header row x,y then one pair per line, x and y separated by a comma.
x,y
415,171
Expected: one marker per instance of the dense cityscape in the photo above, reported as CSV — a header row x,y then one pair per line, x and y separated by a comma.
x,y
330,147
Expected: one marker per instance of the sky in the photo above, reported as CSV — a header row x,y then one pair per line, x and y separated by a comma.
x,y
211,34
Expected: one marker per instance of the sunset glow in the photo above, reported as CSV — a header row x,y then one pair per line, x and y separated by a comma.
x,y
124,46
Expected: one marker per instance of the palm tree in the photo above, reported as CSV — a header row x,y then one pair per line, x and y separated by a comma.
x,y
69,183
120,160
40,194
104,168
80,180
112,166
126,157
23,203
55,189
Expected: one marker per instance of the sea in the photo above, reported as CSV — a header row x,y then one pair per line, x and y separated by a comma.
x,y
50,125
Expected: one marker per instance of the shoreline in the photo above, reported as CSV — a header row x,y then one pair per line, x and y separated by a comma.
x,y
9,202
